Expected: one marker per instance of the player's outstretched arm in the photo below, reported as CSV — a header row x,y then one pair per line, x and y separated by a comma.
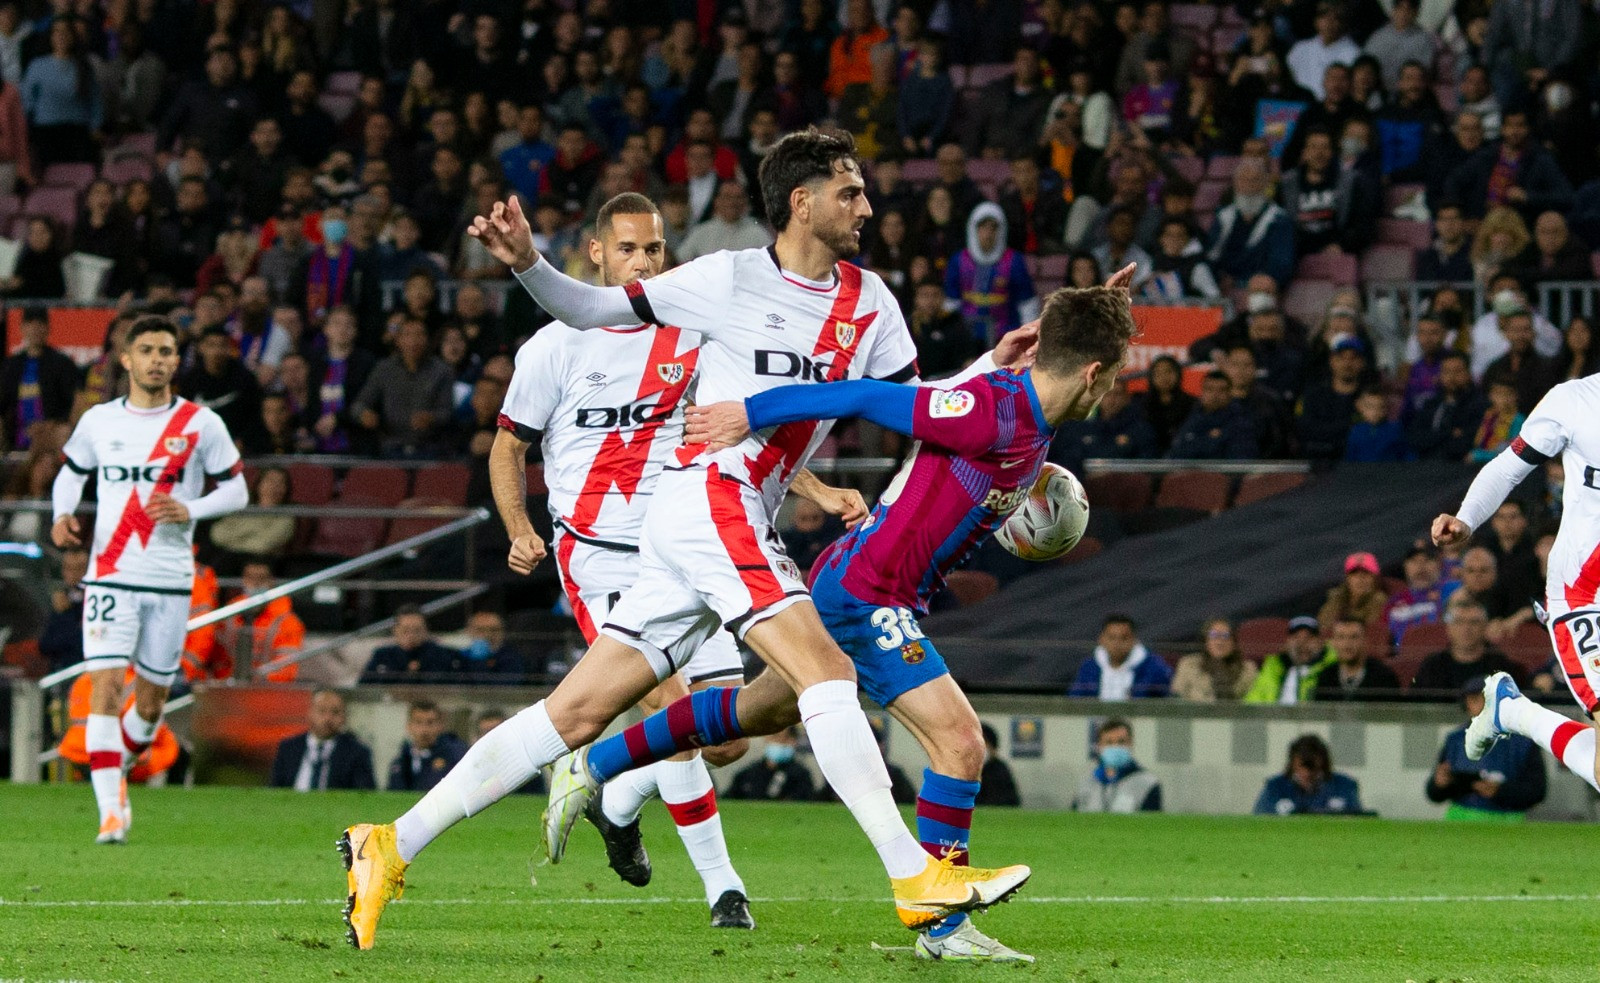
x,y
888,404
508,478
846,503
1488,490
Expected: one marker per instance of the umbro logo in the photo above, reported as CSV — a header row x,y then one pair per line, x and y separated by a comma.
x,y
775,321
595,378
116,445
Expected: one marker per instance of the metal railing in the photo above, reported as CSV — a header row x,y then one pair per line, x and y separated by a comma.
x,y
1162,465
27,703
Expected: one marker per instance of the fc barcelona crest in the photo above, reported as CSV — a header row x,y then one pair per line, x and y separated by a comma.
x,y
913,653
844,332
175,445
670,372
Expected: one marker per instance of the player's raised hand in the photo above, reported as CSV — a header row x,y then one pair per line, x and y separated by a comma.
x,y
164,508
1016,348
66,532
846,503
1450,531
718,425
1123,278
526,552
505,232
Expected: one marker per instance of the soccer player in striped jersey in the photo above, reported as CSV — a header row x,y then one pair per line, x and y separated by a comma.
x,y
980,446
1566,423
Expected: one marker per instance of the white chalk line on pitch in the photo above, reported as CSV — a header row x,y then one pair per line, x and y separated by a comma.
x,y
1070,900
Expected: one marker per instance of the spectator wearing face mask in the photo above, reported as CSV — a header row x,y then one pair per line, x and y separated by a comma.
x,y
777,777
1252,235
1117,783
488,657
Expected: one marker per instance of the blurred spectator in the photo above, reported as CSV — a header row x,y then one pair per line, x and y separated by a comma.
x,y
257,174
1442,674
808,532
1328,406
32,479
1119,249
325,756
1309,785
1446,424
63,99
1400,41
488,657
888,253
850,58
1308,59
1409,124
1449,258
984,32
1531,373
1266,409
1012,110
869,110
1422,600
1251,235
262,342
419,301
1508,298
729,227
37,382
1502,421
1117,783
798,103
1150,104
1502,785
1528,41
275,631
1373,436
281,262
1154,28
1514,171
1290,677
404,254
998,786
1035,218
278,431
702,181
233,260
1355,677
989,281
254,534
1580,356
1121,668
340,373
1359,595
1118,429
185,236
1508,537
218,380
427,752
944,344
1330,111
214,109
1480,581
16,161
61,639
777,777
1333,210
1179,268
524,164
308,130
1164,402
477,321
1553,254
38,270
414,656
337,274
806,40
1218,672
407,398
572,174
1218,427
105,229
1451,151
926,100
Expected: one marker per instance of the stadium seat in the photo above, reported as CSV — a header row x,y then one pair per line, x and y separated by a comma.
x,y
1380,644
971,586
445,482
310,484
1260,637
337,104
59,204
1423,640
1221,167
1052,268
920,171
402,529
536,485
1226,37
1201,491
1529,646
381,483
983,171
1448,98
1308,299
1399,194
1193,169
10,207
1087,548
343,83
1405,232
1120,492
1208,195
1255,487
137,143
1388,264
348,536
1195,16
124,169
1406,664
1339,268
979,76
74,176
1594,263
251,473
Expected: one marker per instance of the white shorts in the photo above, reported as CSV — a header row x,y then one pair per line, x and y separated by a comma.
x,y
146,626
595,578
709,556
1576,637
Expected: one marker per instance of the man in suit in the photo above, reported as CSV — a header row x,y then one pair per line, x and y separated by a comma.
x,y
427,752
326,756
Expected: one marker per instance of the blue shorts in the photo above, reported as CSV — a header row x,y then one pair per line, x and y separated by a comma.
x,y
891,653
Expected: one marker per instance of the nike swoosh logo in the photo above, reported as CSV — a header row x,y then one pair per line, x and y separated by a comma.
x,y
1011,464
361,852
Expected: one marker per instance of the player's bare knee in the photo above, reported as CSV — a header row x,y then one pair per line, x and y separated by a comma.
x,y
725,754
960,753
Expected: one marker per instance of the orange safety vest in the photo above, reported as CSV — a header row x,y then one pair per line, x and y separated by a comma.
x,y
200,650
157,758
276,632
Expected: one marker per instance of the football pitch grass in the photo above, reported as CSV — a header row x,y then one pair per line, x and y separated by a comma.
x,y
235,884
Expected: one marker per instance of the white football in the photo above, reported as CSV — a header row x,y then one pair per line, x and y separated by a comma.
x,y
1050,521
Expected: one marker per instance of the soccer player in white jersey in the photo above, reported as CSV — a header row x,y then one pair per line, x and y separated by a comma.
x,y
1566,423
152,452
792,314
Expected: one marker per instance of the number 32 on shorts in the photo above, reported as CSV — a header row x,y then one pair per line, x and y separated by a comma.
x,y
898,625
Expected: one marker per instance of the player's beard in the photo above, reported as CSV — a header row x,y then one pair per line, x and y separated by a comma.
x,y
842,241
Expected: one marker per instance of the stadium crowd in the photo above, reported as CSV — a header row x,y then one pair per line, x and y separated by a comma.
x,y
292,183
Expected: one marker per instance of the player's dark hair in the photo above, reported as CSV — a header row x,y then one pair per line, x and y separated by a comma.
x,y
1110,724
150,324
1311,751
798,159
1084,325
627,203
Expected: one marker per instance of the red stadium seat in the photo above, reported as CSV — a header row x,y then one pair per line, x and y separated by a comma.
x,y
74,176
1226,37
920,171
1201,491
1197,16
1308,299
1221,167
381,483
985,171
57,204
1594,263
1405,232
1399,194
981,75
1339,268
1208,195
1423,640
1388,264
343,83
1260,637
1255,487
124,169
337,104
1379,643
1192,169
1088,547
137,143
310,484
445,482
1119,492
1406,664
1529,646
348,536
972,586
402,529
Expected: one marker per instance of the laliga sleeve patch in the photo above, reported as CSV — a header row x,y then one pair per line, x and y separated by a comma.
x,y
947,403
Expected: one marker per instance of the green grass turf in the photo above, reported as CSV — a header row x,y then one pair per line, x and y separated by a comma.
x,y
472,914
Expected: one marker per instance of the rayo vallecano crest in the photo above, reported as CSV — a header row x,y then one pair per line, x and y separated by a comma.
x,y
670,372
844,332
175,445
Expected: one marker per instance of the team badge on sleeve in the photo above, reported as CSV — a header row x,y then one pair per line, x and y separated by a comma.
x,y
670,372
947,403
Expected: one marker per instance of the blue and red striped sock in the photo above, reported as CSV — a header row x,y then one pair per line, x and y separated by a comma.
x,y
703,719
944,824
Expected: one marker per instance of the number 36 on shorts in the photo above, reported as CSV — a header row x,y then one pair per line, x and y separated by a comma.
x,y
898,626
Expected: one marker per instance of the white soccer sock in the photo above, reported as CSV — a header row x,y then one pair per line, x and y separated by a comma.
x,y
102,738
138,732
1571,741
624,796
841,740
686,790
493,768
